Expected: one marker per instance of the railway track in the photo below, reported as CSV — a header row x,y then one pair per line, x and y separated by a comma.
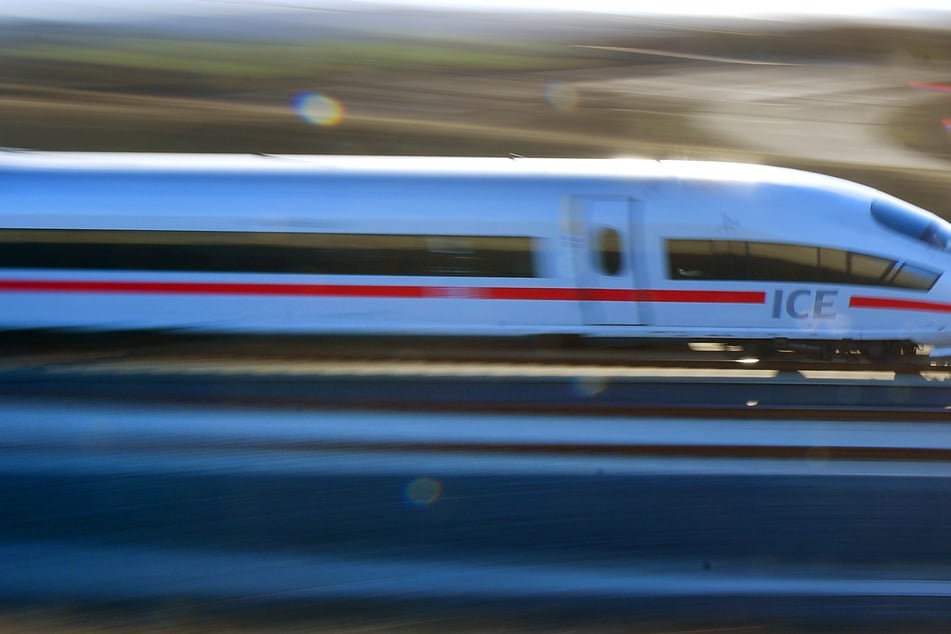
x,y
280,352
565,390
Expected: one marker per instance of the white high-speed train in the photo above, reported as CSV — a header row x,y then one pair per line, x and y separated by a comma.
x,y
456,246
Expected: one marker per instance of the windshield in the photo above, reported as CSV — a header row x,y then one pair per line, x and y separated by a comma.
x,y
913,222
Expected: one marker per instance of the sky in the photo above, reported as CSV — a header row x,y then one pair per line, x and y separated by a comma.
x,y
112,9
709,7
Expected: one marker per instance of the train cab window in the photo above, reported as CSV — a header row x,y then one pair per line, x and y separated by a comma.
x,y
609,254
913,222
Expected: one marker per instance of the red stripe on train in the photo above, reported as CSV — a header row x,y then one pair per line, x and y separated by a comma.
x,y
705,297
897,304
380,291
624,295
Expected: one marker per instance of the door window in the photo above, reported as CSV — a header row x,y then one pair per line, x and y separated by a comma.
x,y
609,256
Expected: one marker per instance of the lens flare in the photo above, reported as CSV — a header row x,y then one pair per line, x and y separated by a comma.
x,y
423,491
590,386
318,109
560,96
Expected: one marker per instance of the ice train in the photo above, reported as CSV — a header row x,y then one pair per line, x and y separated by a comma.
x,y
614,248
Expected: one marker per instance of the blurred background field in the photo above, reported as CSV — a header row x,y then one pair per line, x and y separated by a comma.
x,y
869,101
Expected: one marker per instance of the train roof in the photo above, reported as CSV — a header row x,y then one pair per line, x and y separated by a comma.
x,y
417,166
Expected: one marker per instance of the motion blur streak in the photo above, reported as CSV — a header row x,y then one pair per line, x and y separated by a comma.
x,y
152,503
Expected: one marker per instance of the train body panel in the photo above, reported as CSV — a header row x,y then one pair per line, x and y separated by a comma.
x,y
603,248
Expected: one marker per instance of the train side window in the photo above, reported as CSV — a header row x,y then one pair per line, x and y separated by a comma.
x,y
914,277
782,262
833,266
688,259
729,259
777,262
868,269
268,252
609,255
707,260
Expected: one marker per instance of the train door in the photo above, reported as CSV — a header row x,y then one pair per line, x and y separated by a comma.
x,y
605,265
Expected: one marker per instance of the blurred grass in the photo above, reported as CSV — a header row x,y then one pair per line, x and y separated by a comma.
x,y
252,59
